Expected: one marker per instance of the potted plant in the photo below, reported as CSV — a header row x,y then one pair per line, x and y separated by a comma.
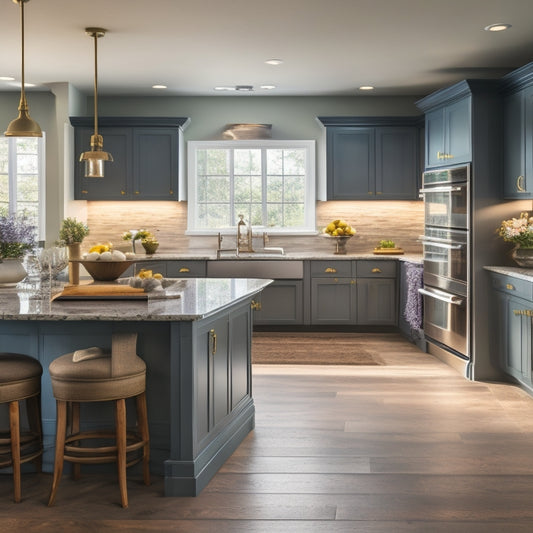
x,y
71,233
520,232
17,236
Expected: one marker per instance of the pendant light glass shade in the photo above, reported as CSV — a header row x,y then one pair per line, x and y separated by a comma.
x,y
95,158
23,125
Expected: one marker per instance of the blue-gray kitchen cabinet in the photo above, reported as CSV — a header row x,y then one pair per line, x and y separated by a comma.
x,y
377,293
448,134
280,304
512,326
372,158
518,145
145,154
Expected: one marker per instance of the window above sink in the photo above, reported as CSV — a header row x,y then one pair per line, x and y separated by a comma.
x,y
270,182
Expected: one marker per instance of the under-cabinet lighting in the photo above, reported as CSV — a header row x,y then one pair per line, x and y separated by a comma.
x,y
497,27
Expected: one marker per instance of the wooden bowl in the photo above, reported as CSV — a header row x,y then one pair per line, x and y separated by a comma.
x,y
105,270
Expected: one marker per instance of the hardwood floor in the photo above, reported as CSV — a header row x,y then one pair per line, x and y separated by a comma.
x,y
409,446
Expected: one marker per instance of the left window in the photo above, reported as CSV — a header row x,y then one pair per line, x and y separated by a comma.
x,y
22,179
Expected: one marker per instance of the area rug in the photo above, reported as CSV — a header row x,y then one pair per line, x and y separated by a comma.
x,y
311,349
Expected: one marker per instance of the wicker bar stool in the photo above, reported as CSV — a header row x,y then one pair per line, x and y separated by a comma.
x,y
96,375
20,379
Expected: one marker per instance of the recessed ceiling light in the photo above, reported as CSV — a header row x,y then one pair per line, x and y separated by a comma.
x,y
274,62
159,86
7,78
366,88
268,87
497,27
224,88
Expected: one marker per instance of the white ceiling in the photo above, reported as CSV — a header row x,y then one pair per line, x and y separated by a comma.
x,y
329,47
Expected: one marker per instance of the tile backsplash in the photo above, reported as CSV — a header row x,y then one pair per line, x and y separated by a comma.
x,y
400,221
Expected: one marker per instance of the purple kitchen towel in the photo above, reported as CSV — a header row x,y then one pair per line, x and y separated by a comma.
x,y
413,312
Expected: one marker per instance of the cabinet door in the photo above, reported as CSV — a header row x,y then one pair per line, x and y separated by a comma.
x,y
155,164
435,138
115,184
396,163
333,301
514,163
519,332
376,302
458,132
280,303
351,163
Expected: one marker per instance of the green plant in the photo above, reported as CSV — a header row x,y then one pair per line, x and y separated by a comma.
x,y
72,231
387,244
142,235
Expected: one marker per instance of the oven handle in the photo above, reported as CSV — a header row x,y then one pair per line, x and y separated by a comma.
x,y
442,189
442,244
443,297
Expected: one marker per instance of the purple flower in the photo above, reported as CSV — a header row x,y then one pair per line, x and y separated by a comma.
x,y
17,236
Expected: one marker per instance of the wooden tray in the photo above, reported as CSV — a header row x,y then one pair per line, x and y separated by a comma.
x,y
101,292
388,251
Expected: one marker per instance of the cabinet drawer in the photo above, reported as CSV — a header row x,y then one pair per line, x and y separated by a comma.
x,y
517,287
186,269
376,269
331,269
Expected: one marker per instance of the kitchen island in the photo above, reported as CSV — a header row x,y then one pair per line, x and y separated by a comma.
x,y
196,342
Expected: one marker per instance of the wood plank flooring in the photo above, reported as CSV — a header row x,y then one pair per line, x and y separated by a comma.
x,y
409,446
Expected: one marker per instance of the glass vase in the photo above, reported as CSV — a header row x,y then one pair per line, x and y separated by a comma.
x,y
523,257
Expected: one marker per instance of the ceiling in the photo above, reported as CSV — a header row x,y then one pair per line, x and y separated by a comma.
x,y
328,47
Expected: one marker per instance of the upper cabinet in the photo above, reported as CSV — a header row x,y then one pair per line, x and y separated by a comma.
x,y
372,158
146,158
518,134
448,136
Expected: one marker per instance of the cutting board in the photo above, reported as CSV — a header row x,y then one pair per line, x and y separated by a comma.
x,y
388,251
101,292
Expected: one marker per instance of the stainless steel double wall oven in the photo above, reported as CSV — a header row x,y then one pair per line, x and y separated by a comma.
x,y
446,240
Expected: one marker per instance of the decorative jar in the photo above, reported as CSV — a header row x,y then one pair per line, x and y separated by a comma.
x,y
11,272
523,256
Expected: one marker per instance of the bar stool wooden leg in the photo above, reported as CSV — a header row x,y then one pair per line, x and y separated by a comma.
x,y
120,420
14,426
75,428
142,420
60,448
33,406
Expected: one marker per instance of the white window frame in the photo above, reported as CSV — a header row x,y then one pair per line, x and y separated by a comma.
x,y
309,227
12,181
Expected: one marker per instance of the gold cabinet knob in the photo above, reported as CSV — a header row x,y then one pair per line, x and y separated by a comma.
x,y
184,270
509,287
84,191
520,184
122,192
171,192
376,270
256,306
330,270
137,192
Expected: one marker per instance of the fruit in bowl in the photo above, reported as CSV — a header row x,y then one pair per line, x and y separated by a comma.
x,y
339,228
102,270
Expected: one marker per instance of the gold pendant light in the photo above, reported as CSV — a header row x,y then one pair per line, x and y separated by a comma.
x,y
94,159
23,125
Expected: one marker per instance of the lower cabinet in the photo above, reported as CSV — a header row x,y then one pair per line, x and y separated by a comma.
x,y
333,301
281,303
376,302
513,327
223,378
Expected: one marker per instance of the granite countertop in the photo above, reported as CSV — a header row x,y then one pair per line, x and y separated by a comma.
x,y
515,272
209,255
187,299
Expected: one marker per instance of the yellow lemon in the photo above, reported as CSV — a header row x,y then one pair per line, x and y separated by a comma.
x,y
157,275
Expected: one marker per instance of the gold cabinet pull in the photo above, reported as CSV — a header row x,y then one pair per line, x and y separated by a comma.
x,y
353,282
184,270
523,312
256,306
509,287
441,155
520,184
137,192
376,270
122,192
84,191
171,192
213,340
379,192
330,270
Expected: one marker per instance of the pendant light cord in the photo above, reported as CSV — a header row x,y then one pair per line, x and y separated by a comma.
x,y
23,89
96,83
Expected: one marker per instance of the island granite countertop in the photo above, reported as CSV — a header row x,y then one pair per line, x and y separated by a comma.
x,y
185,300
514,272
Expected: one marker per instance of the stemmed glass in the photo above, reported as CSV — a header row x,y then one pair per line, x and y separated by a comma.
x,y
51,262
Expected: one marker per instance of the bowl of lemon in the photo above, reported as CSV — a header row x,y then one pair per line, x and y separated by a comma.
x,y
105,264
341,231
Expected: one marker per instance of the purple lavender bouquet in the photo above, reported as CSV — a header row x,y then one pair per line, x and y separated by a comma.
x,y
17,236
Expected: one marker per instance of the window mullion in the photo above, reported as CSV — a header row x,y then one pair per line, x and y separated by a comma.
x,y
264,185
12,174
233,216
